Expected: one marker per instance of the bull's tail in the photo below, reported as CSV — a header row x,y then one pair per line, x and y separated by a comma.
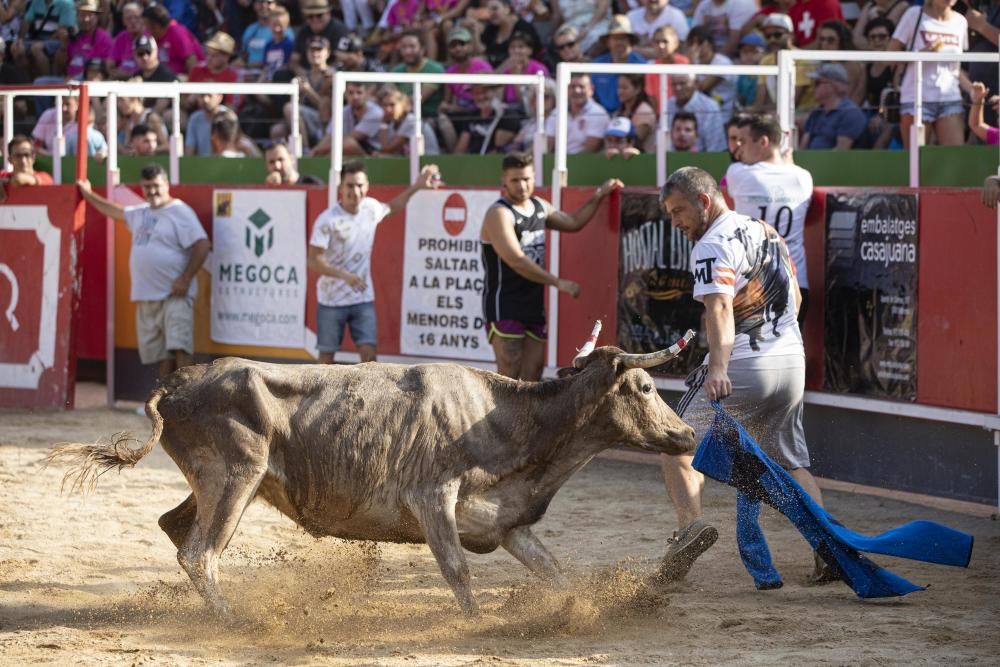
x,y
90,461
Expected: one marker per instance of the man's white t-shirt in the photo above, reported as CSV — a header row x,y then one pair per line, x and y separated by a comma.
x,y
347,241
161,248
748,260
592,121
940,79
724,92
669,16
778,194
724,17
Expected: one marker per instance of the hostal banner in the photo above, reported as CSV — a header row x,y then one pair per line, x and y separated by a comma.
x,y
443,275
259,267
871,294
655,305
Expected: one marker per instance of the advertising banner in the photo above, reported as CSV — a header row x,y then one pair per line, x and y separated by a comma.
x,y
259,267
871,294
442,313
655,305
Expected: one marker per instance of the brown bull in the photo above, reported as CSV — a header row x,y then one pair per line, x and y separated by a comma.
x,y
451,456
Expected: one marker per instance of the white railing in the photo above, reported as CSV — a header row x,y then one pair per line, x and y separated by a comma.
x,y
341,79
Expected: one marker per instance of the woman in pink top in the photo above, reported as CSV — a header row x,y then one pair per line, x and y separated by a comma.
x,y
179,49
519,61
988,135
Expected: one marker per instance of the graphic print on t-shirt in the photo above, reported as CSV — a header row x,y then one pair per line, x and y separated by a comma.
x,y
764,299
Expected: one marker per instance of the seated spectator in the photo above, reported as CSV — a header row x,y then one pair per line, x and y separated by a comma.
x,y
278,51
46,26
566,47
590,18
319,23
46,129
411,50
778,31
225,136
977,100
132,113
146,53
686,97
524,142
351,56
638,108
362,120
752,47
502,23
519,61
179,48
90,41
281,169
491,129
21,154
11,75
315,89
891,10
836,36
587,119
838,122
197,135
619,40
619,139
723,19
684,132
97,145
458,96
665,52
257,36
655,14
219,50
879,76
358,16
701,51
399,125
807,14
444,15
143,140
123,63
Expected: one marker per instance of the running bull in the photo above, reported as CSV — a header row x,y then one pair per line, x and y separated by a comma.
x,y
451,456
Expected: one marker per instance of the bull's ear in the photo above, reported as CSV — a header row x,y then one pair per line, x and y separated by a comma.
x,y
567,372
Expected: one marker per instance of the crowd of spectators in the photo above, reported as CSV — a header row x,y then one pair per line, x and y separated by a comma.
x,y
845,105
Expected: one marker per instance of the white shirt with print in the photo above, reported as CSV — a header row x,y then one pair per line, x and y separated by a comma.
x,y
723,17
940,79
161,248
347,241
592,121
778,194
747,259
669,16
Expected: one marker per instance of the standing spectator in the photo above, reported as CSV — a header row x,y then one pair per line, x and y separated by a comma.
x,y
838,123
411,49
340,250
519,61
686,97
278,51
587,119
399,125
257,36
724,19
123,63
637,106
752,46
620,40
656,14
619,139
281,169
876,9
836,36
502,23
89,42
142,140
684,132
808,14
362,119
986,133
491,129
458,96
179,49
319,23
934,27
21,154
666,44
701,51
589,17
147,54
46,26
219,50
225,135
169,246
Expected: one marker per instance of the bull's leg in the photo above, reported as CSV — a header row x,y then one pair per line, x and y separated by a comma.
x,y
177,522
219,512
437,517
523,545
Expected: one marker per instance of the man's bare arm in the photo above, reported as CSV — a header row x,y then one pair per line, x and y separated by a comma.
x,y
105,206
721,330
573,223
498,231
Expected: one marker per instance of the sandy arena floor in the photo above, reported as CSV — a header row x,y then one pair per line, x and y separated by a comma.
x,y
92,580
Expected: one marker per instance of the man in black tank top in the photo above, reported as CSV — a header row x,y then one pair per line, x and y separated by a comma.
x,y
513,250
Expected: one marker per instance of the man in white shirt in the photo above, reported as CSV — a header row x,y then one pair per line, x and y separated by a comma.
x,y
169,245
340,251
686,97
362,119
743,275
764,185
587,119
701,50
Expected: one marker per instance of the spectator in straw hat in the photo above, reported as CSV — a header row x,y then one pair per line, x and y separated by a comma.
x,y
319,23
179,49
219,51
620,42
90,41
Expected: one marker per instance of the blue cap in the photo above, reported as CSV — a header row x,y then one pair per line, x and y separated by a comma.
x,y
753,39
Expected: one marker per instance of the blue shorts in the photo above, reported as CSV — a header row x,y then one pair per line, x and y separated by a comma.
x,y
931,111
331,320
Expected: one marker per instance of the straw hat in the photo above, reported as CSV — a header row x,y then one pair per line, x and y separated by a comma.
x,y
88,6
221,42
620,25
314,7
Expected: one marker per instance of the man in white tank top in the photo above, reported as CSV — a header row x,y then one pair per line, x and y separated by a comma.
x,y
764,185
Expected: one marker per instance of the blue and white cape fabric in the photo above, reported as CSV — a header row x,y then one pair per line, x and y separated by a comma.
x,y
728,454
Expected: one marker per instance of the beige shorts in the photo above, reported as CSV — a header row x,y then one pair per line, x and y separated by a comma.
x,y
163,327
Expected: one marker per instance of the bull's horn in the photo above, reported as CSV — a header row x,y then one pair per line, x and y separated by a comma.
x,y
588,347
656,358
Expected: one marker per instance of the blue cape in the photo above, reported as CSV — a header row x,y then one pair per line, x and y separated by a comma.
x,y
728,454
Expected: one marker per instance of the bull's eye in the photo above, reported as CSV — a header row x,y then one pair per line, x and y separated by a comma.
x,y
647,388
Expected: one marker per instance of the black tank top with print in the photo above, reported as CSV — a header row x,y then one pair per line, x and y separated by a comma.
x,y
506,294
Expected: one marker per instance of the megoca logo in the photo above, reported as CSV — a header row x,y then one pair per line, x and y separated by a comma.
x,y
260,240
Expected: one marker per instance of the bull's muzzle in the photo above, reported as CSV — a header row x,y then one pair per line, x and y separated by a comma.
x,y
679,441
